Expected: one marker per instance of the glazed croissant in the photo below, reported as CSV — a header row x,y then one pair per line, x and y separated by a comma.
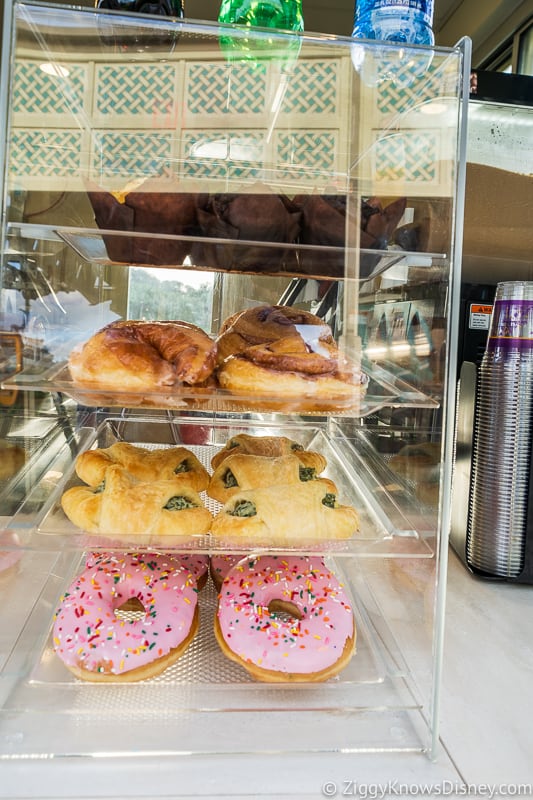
x,y
143,356
242,471
285,515
122,506
143,464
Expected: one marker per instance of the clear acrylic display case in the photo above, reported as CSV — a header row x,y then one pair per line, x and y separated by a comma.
x,y
346,162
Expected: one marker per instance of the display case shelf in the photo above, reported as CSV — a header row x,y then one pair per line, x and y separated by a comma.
x,y
30,446
311,261
378,388
41,523
203,688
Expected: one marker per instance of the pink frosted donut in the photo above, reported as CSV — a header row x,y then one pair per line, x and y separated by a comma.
x,y
197,564
92,558
285,618
156,600
10,557
220,565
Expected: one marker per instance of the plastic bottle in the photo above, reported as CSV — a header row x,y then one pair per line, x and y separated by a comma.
x,y
122,37
281,14
276,15
159,8
402,21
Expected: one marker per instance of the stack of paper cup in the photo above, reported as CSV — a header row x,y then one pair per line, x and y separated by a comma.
x,y
502,437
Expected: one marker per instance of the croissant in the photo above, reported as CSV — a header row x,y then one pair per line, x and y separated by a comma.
x,y
270,446
124,507
138,355
242,376
242,471
143,464
285,515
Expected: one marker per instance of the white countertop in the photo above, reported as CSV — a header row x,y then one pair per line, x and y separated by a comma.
x,y
486,730
487,700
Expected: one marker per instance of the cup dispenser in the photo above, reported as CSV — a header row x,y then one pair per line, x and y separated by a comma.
x,y
492,507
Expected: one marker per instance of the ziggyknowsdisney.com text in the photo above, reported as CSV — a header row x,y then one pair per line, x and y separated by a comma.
x,y
395,788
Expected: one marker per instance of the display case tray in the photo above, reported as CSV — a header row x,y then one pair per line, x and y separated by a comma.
x,y
20,585
281,259
204,663
50,529
378,388
165,712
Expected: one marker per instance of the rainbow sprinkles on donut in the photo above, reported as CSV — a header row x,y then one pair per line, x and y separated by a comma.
x,y
98,643
285,618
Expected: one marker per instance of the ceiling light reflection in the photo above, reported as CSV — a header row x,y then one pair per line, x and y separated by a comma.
x,y
56,70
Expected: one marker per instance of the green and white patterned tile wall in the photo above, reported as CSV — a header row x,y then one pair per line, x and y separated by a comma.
x,y
210,120
37,153
219,153
314,153
407,156
314,89
145,93
56,98
125,155
197,119
218,90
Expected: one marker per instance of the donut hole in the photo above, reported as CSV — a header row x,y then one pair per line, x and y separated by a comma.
x,y
284,610
130,611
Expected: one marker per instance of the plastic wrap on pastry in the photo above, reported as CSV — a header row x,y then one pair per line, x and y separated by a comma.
x,y
285,353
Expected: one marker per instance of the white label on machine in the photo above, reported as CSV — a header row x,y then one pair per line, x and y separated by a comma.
x,y
479,317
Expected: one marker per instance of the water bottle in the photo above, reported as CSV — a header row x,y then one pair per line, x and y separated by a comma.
x,y
393,22
402,21
277,15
